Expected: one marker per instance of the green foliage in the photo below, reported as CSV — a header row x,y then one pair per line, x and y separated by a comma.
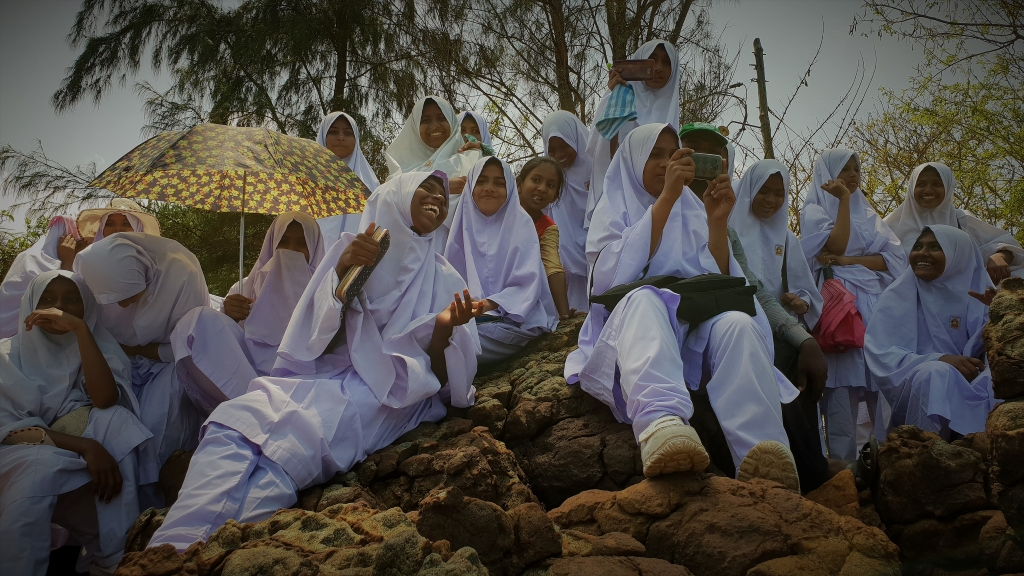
x,y
13,243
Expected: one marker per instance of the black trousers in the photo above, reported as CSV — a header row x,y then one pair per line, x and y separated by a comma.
x,y
799,417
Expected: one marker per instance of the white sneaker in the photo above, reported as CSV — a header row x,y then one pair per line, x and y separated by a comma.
x,y
668,446
770,460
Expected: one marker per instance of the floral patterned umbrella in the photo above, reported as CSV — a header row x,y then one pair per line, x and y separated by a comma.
x,y
231,169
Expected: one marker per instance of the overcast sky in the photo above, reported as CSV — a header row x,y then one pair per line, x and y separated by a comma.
x,y
34,57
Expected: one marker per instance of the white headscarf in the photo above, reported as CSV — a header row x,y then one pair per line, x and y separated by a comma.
x,y
408,288
909,219
409,153
356,161
659,106
137,225
276,282
868,233
41,374
130,262
766,242
481,122
38,258
917,321
499,255
570,212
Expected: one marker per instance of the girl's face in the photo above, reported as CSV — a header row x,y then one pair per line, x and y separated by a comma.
x,y
490,191
929,191
294,239
341,138
63,294
927,259
116,222
429,206
850,174
560,150
470,126
662,71
540,188
770,198
434,127
657,162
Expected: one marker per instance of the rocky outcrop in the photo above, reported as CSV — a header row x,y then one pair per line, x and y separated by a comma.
x,y
1004,340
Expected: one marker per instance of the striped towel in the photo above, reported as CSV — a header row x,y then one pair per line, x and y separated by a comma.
x,y
621,109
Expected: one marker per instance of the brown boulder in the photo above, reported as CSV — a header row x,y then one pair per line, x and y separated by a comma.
x,y
1003,340
720,526
839,495
611,566
1005,431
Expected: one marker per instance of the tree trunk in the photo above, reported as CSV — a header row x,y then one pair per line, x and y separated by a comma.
x,y
340,42
556,15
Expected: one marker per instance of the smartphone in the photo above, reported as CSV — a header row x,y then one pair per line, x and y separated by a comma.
x,y
708,166
634,69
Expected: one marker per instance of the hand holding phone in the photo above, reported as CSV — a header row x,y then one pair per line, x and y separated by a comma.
x,y
634,70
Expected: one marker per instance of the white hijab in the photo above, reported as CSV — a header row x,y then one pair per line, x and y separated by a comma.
x,y
570,211
137,225
909,219
130,262
917,321
868,233
499,255
409,153
356,161
481,122
38,258
659,106
767,242
276,283
407,289
41,374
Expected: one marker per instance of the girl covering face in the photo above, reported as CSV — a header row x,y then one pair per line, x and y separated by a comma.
x,y
925,346
493,244
475,124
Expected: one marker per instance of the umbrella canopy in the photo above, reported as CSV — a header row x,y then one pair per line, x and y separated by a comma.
x,y
231,169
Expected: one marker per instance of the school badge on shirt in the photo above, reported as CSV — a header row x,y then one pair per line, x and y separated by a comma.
x,y
954,322
778,249
586,185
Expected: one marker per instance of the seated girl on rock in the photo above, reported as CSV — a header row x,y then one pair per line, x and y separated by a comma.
x,y
924,345
56,250
339,133
931,193
493,244
220,353
69,429
351,377
640,359
145,284
540,184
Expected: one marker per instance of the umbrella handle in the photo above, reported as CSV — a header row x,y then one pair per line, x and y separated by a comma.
x,y
241,243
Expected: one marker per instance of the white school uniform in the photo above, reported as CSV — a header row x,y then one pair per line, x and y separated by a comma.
x,y
38,258
332,226
570,211
120,267
639,359
499,257
349,380
41,380
916,323
849,380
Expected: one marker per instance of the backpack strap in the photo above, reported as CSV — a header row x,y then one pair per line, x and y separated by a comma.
x,y
785,272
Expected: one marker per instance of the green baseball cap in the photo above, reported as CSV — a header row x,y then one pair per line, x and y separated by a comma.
x,y
704,128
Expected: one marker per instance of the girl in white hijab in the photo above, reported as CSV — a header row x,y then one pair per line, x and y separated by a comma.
x,y
223,352
657,102
121,215
67,418
339,133
56,250
639,359
925,347
493,244
475,124
145,284
840,229
565,139
931,193
761,220
350,379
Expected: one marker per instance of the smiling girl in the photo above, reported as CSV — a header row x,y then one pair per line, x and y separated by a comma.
x,y
339,133
925,346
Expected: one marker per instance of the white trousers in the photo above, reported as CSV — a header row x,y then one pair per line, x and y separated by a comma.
x,y
740,378
840,407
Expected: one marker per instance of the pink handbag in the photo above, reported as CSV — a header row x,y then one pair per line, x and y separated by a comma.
x,y
841,326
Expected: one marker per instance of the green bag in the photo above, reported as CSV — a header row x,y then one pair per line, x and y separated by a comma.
x,y
700,298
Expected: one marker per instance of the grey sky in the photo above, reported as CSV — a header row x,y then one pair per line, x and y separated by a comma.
x,y
34,56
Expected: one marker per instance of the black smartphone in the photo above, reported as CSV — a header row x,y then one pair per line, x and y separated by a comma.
x,y
634,69
708,166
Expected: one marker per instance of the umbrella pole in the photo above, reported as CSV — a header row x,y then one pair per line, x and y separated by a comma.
x,y
241,243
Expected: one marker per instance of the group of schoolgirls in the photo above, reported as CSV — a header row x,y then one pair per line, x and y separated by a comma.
x,y
115,354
